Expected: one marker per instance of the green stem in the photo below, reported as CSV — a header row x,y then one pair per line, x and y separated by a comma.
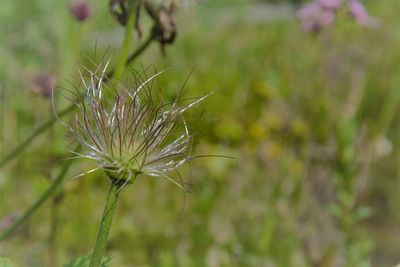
x,y
134,55
46,125
105,224
54,225
140,49
126,44
50,191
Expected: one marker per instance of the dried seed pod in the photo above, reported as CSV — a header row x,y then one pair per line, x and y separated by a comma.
x,y
165,27
119,9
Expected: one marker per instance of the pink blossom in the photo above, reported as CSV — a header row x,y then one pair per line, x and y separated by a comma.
x,y
330,4
360,14
80,9
314,17
43,84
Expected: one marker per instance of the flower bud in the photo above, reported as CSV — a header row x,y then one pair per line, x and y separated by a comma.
x,y
43,84
80,9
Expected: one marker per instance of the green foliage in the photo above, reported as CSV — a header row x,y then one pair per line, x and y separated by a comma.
x,y
310,118
5,262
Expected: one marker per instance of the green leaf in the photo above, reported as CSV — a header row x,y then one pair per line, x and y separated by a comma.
x,y
5,262
84,262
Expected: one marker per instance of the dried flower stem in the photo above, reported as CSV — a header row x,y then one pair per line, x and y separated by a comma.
x,y
105,224
49,192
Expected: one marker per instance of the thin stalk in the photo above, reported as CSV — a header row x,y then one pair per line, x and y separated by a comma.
x,y
46,125
134,55
105,224
54,203
54,226
126,44
46,195
140,49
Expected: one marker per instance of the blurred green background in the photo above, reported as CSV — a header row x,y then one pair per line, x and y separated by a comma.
x,y
310,118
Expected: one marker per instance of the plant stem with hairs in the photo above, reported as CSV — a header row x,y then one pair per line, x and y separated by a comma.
x,y
106,221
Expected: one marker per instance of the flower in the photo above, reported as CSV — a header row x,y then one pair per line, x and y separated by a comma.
x,y
80,9
314,17
330,4
43,84
319,14
130,132
360,14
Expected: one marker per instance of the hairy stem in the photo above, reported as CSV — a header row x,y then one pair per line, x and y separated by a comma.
x,y
46,195
105,224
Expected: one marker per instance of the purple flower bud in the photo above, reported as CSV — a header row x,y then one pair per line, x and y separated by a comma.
x,y
330,4
314,17
43,84
360,14
308,11
80,9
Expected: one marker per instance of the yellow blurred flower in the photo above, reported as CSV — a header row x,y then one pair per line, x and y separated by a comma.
x,y
263,89
273,120
257,131
299,128
295,166
229,129
274,149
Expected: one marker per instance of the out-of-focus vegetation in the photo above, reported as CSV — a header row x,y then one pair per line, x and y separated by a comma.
x,y
310,118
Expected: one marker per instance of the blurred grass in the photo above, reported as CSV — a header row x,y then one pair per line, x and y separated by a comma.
x,y
278,93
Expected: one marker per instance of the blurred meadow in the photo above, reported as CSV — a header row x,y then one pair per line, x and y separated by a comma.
x,y
311,119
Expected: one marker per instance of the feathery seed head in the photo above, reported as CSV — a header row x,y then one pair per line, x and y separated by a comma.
x,y
128,131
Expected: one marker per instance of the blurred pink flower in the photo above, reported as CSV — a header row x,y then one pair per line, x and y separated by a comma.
x,y
43,84
314,17
330,4
360,14
321,13
80,9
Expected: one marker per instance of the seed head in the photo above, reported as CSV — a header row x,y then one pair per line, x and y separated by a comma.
x,y
128,131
